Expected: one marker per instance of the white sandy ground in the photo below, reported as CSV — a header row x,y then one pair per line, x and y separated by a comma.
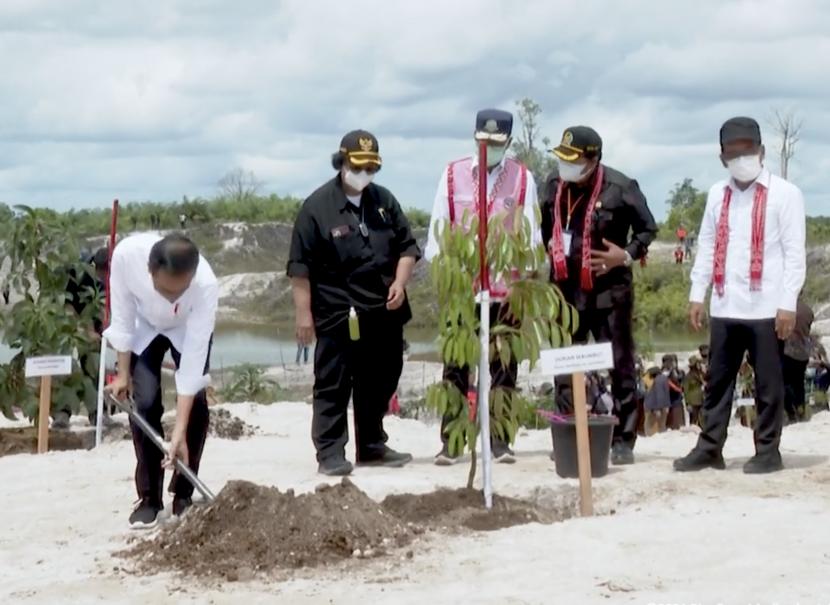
x,y
711,537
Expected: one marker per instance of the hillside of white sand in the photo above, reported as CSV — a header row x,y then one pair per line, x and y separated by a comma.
x,y
710,537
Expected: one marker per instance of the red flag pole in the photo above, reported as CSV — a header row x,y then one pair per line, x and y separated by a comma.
x,y
482,215
484,329
113,227
102,359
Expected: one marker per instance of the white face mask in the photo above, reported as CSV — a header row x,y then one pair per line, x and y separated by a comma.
x,y
746,168
570,172
495,154
357,180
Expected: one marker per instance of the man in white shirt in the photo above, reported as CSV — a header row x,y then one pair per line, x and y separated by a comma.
x,y
751,248
508,183
164,297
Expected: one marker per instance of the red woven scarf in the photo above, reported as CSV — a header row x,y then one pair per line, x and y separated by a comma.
x,y
756,262
557,246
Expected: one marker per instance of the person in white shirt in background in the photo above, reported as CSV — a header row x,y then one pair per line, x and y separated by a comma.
x,y
164,297
509,183
751,248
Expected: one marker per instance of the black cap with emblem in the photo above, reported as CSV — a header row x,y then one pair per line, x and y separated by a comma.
x,y
361,148
494,125
578,142
740,129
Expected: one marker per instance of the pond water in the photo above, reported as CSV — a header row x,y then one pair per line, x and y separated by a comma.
x,y
273,345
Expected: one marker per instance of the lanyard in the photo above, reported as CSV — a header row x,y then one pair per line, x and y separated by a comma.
x,y
361,224
571,208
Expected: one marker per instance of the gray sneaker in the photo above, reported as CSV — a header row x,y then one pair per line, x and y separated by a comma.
x,y
502,453
335,466
443,457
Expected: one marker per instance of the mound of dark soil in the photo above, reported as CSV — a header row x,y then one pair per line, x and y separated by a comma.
x,y
251,528
223,425
24,440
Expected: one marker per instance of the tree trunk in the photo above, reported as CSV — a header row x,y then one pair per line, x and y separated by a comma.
x,y
471,477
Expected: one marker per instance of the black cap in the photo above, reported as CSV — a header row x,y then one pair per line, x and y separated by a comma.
x,y
494,125
361,147
578,141
740,129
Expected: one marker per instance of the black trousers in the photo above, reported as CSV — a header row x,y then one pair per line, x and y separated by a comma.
x,y
149,474
366,370
501,376
730,340
612,325
794,391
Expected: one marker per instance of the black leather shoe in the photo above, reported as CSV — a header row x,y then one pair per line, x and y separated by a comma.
x,y
621,454
335,466
764,463
389,458
697,460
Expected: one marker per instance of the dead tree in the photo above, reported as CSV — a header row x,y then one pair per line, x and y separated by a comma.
x,y
788,128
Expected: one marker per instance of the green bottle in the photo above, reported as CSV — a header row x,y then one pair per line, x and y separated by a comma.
x,y
354,326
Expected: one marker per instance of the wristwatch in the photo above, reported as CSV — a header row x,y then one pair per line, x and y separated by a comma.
x,y
628,260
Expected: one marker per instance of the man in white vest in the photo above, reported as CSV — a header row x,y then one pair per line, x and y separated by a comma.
x,y
509,182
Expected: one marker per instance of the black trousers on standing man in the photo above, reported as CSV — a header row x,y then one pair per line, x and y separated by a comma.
x,y
367,371
611,323
731,339
147,392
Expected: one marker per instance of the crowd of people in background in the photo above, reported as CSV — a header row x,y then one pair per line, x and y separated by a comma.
x,y
671,397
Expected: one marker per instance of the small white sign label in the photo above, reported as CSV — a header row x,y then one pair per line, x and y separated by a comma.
x,y
582,358
52,365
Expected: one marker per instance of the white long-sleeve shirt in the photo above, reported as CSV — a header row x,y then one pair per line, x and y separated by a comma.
x,y
441,209
140,313
784,251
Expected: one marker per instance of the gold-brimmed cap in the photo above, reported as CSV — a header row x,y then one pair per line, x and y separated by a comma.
x,y
361,147
578,141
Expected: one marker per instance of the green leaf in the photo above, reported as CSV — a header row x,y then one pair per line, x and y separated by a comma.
x,y
498,430
555,336
566,317
455,443
470,434
575,319
443,402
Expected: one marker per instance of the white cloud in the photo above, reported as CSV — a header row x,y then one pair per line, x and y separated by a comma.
x,y
158,99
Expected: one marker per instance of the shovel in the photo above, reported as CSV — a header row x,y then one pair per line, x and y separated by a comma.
x,y
128,405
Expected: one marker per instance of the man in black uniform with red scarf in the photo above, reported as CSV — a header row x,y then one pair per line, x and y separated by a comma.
x,y
595,224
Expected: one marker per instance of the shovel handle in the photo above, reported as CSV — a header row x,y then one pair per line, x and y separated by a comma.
x,y
128,406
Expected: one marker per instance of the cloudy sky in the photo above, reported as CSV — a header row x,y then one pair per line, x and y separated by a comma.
x,y
158,99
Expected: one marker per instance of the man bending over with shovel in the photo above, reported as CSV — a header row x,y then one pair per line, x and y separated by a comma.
x,y
164,297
